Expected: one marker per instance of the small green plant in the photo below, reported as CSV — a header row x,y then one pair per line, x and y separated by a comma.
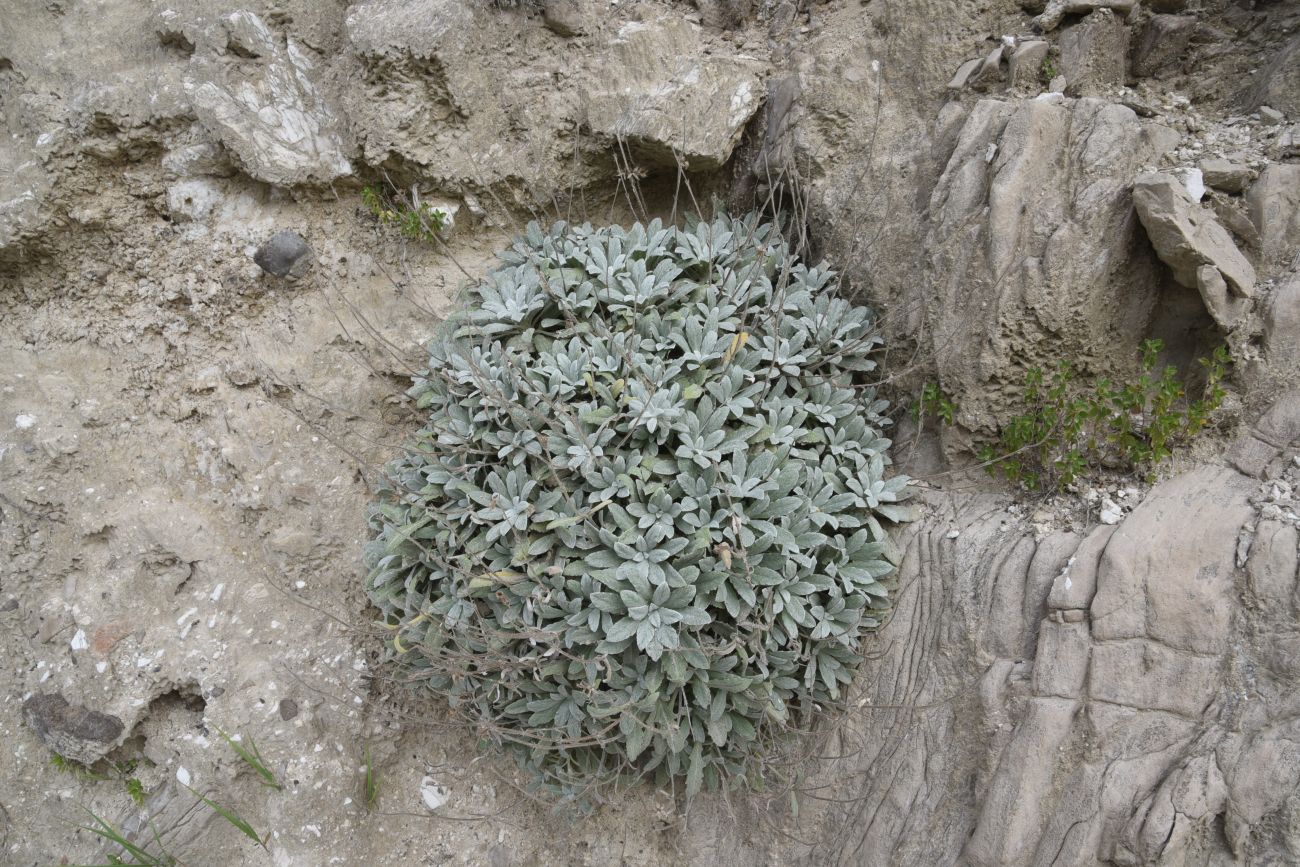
x,y
642,531
1048,68
252,757
1068,429
64,765
416,220
933,403
135,790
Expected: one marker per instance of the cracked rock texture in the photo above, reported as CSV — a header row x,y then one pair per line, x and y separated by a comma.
x,y
187,442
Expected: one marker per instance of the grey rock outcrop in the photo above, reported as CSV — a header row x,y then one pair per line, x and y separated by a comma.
x,y
1278,83
1069,701
70,730
1094,54
260,101
1026,62
1274,203
1189,239
1161,43
694,114
1056,10
1025,182
1225,175
1281,327
567,17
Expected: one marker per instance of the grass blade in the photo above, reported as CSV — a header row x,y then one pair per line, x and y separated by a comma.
x,y
252,757
108,832
372,780
229,814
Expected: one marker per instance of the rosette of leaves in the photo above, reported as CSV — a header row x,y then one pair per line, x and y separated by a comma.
x,y
641,529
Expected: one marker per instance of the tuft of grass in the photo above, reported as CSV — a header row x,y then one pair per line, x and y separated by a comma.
x,y
105,830
372,780
65,765
252,757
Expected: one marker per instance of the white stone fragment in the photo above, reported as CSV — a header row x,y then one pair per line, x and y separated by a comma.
x,y
433,794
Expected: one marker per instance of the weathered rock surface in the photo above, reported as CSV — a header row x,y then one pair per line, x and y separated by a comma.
x,y
1026,63
1187,236
1277,84
1115,738
567,17
1094,54
1025,182
656,77
1274,202
1162,43
1225,175
70,730
1056,10
260,101
1281,325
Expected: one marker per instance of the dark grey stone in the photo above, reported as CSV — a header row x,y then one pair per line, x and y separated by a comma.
x,y
286,254
288,709
71,730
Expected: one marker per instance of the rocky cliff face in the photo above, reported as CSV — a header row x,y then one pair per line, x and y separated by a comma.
x,y
187,440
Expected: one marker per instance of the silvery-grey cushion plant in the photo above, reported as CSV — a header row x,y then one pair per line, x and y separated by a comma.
x,y
641,529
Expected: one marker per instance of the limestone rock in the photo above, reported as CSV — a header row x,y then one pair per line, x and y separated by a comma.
x,y
286,254
1225,175
1026,63
1224,309
989,70
963,74
1031,228
192,200
1282,324
1174,588
1106,750
73,731
1186,235
197,160
1056,10
1274,203
23,189
264,107
1161,43
660,93
566,17
1094,54
1277,84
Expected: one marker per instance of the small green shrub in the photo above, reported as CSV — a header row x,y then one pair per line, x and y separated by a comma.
x,y
933,403
641,529
416,220
1068,429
